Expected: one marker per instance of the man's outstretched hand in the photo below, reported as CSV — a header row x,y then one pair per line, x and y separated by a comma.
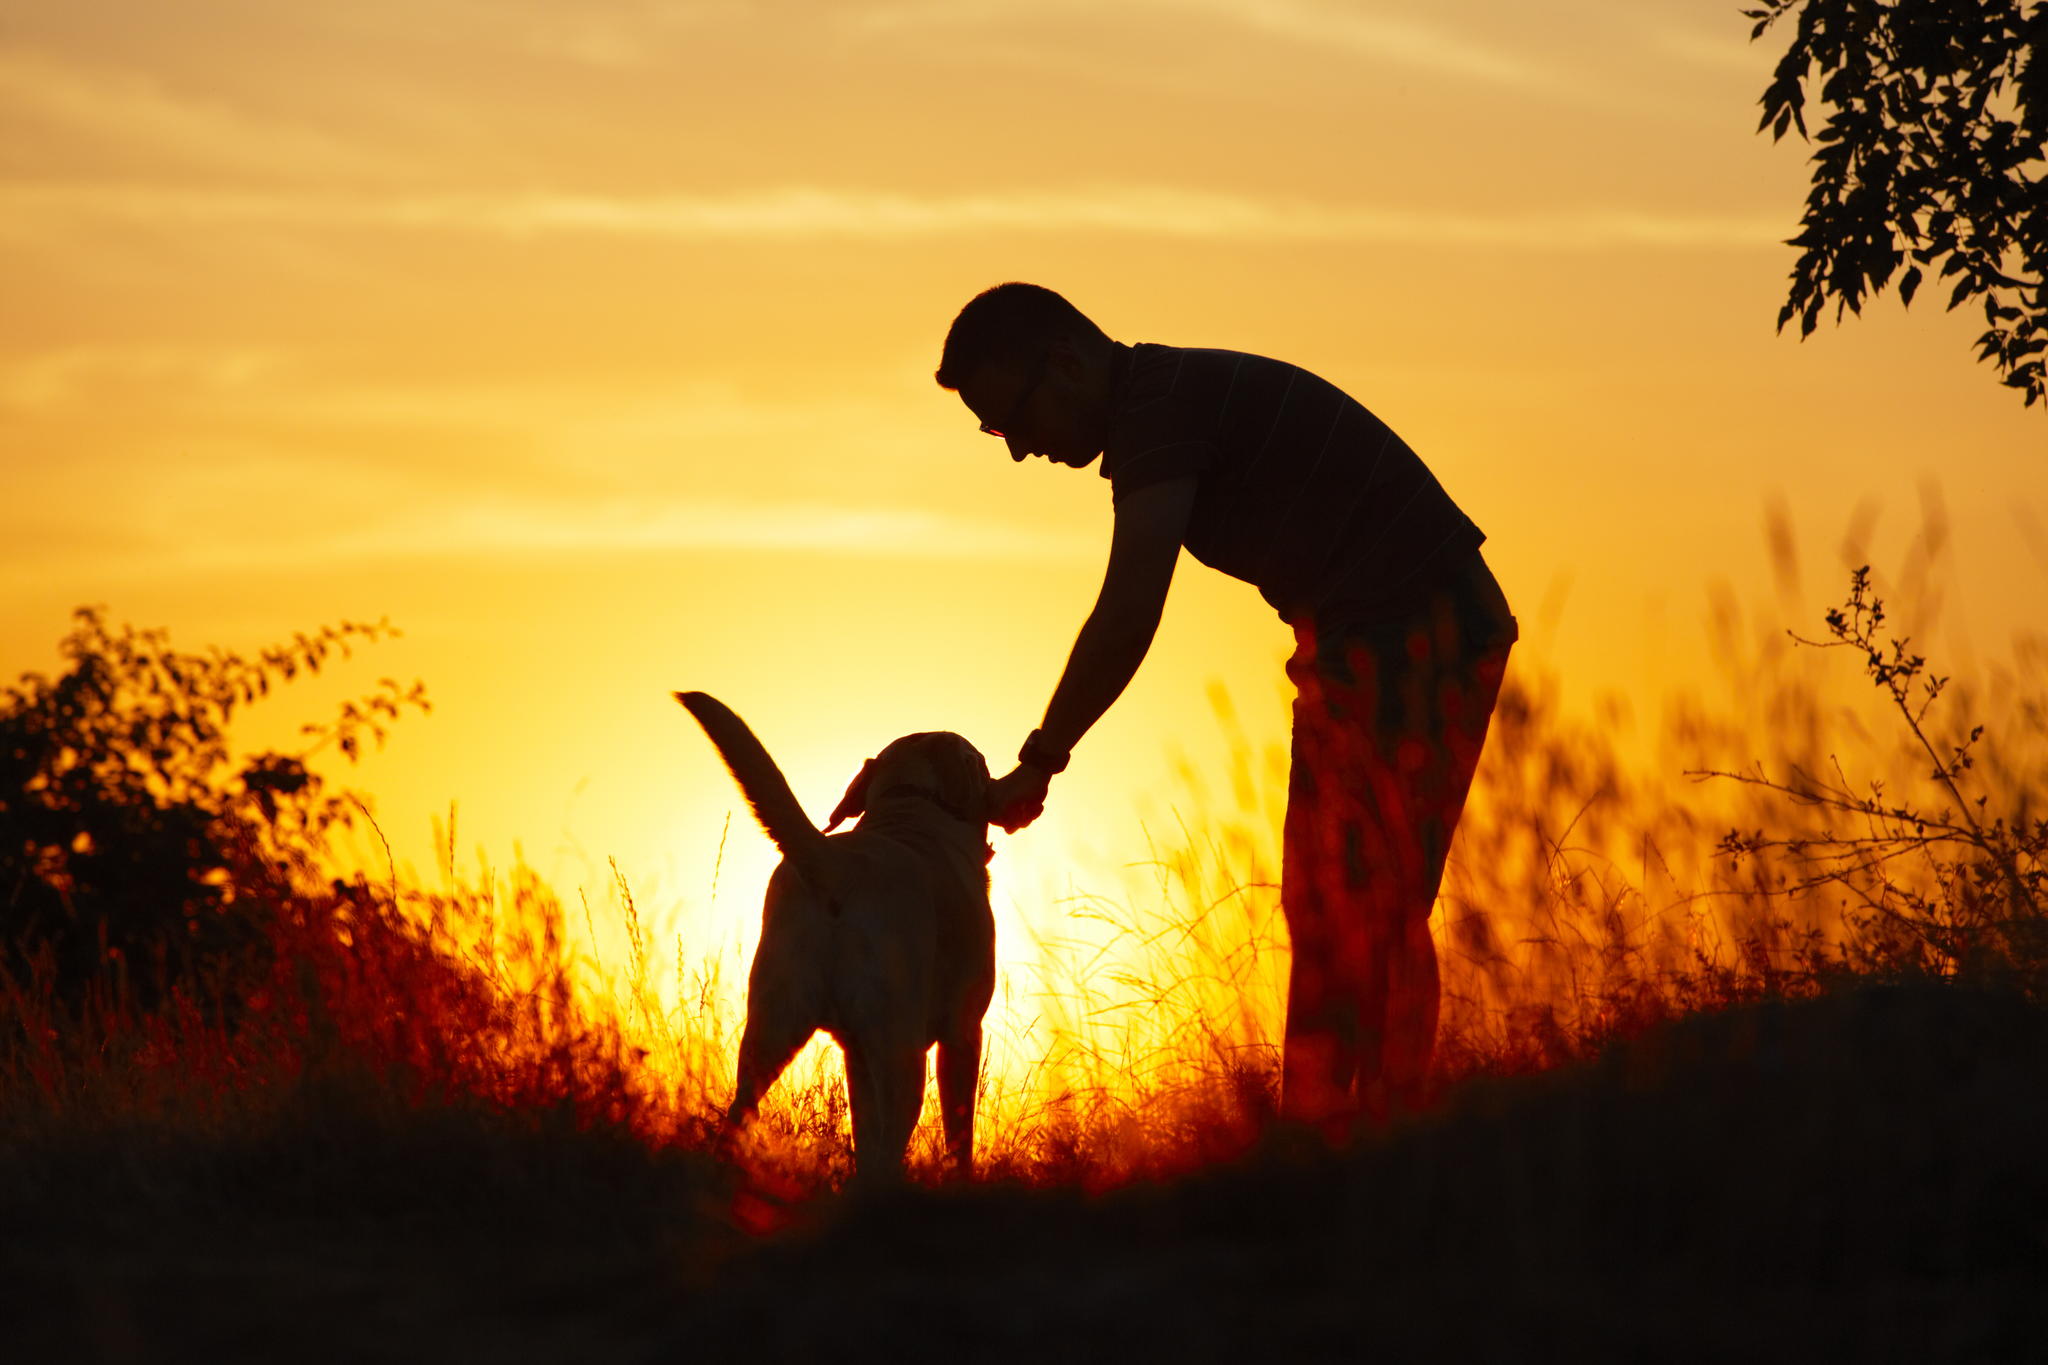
x,y
1016,800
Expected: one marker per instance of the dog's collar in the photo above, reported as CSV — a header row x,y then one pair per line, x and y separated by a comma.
x,y
965,818
906,789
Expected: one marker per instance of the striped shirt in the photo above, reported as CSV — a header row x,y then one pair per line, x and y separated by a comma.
x,y
1302,492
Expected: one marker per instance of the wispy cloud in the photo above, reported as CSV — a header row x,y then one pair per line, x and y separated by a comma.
x,y
807,213
70,376
525,530
715,525
1719,50
1374,35
1399,40
137,110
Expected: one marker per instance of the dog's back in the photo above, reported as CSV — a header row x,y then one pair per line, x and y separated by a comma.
x,y
848,964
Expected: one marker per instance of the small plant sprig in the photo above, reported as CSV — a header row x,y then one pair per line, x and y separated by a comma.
x,y
1963,882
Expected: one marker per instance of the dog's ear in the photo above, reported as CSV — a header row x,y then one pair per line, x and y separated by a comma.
x,y
855,802
963,780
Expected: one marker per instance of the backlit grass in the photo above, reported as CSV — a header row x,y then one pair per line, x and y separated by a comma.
x,y
1590,896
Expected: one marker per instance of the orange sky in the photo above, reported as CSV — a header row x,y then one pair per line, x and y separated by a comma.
x,y
592,344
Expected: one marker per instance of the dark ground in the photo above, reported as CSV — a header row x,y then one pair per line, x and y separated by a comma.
x,y
1863,1176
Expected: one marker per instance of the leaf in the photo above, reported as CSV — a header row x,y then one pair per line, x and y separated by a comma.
x,y
1908,283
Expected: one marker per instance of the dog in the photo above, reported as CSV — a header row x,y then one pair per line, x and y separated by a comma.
x,y
881,936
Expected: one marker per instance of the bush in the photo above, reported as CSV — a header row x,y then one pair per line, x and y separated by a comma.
x,y
136,857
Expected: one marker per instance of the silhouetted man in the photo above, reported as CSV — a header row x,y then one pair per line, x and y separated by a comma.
x,y
1278,478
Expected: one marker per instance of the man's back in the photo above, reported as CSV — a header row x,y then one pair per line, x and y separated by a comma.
x,y
1304,493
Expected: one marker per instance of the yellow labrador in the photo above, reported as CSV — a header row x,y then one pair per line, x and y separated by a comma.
x,y
881,936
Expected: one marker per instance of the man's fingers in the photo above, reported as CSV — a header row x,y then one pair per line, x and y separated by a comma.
x,y
1019,814
1016,799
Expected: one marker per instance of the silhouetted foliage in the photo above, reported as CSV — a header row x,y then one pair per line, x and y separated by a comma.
x,y
133,851
1932,151
1954,887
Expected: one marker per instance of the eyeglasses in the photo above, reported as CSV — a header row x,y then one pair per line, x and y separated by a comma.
x,y
1004,429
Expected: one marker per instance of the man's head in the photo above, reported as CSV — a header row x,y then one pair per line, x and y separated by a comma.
x,y
1033,370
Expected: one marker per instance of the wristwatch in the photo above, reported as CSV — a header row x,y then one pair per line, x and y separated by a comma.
x,y
1040,754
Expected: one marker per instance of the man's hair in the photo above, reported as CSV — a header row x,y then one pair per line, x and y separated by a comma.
x,y
1012,324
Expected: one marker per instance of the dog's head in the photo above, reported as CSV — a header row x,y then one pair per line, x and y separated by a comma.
x,y
937,765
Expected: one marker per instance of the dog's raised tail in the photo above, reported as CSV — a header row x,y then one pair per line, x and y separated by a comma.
x,y
767,790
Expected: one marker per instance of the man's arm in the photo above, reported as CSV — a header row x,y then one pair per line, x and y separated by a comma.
x,y
1142,552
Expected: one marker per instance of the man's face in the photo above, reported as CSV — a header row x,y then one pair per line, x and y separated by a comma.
x,y
1047,408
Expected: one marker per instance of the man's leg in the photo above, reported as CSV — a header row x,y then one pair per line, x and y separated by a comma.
x,y
1319,1052
1456,718
1337,874
1413,996
1382,763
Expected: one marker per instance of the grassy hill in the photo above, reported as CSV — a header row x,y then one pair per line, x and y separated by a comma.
x,y
1859,1174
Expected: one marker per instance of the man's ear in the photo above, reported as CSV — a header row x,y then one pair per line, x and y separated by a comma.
x,y
1068,361
855,802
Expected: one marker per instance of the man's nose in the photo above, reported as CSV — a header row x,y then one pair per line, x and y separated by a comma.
x,y
1018,450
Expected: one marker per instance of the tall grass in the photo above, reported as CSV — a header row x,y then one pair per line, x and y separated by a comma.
x,y
1588,897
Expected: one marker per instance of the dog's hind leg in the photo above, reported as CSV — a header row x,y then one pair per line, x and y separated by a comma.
x,y
959,1077
886,1088
765,1049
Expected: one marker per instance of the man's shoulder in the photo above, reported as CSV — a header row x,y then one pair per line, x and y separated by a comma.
x,y
1151,354
1191,373
1165,418
1156,367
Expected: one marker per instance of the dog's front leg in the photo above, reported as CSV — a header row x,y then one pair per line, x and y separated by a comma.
x,y
959,1077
